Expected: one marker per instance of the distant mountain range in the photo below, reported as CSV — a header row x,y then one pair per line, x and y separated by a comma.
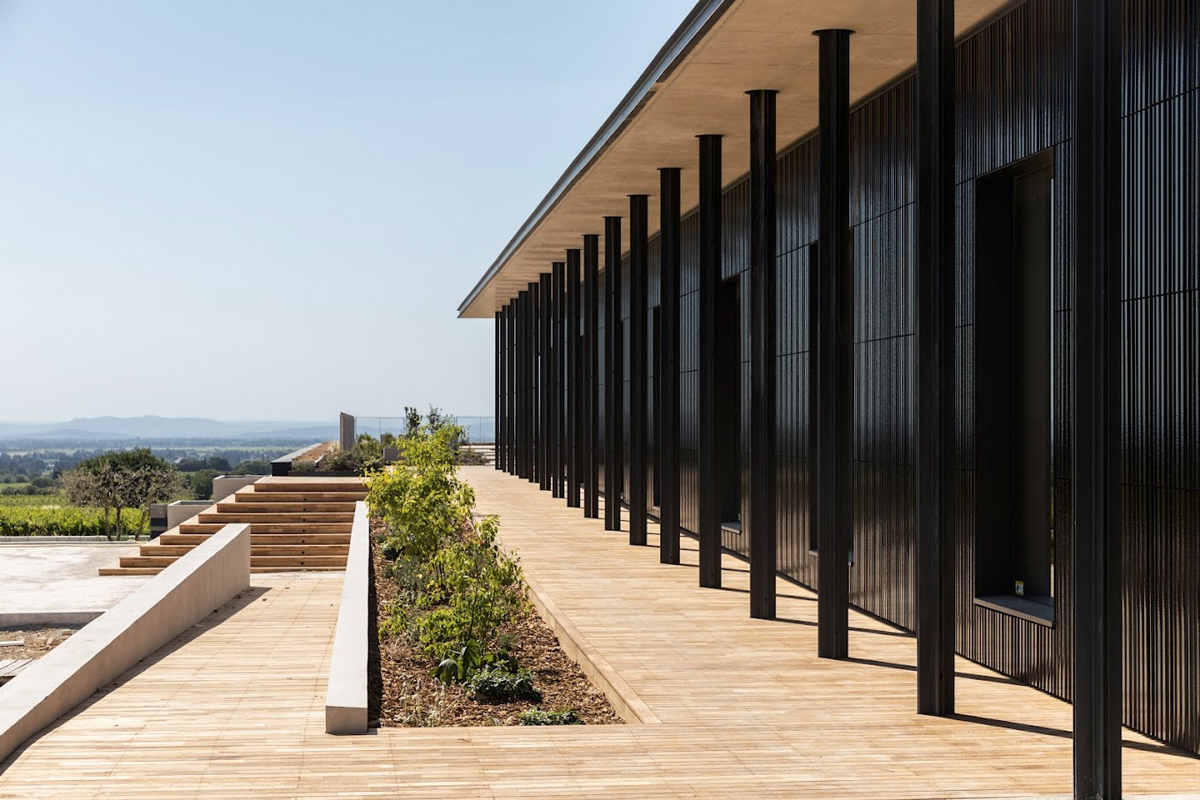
x,y
158,428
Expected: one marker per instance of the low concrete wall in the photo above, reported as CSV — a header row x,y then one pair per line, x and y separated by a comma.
x,y
166,606
346,695
181,511
225,485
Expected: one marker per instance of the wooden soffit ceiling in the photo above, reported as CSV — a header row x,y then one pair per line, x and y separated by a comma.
x,y
697,85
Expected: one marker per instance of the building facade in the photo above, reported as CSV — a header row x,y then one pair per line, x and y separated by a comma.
x,y
1015,394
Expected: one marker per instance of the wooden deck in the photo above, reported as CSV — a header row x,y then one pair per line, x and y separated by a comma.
x,y
235,708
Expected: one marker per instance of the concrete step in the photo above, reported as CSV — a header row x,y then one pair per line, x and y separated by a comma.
x,y
193,539
259,507
299,497
298,562
256,549
349,485
226,517
260,570
257,528
277,562
253,569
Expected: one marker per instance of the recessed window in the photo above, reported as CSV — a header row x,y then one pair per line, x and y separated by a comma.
x,y
1014,366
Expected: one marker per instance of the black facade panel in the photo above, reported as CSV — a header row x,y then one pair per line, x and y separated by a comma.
x,y
1014,82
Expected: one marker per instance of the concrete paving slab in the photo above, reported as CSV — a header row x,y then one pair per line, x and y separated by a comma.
x,y
58,583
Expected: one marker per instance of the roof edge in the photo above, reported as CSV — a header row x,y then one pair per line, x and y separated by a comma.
x,y
693,27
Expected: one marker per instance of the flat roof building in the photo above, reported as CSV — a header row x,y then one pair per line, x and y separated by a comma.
x,y
916,283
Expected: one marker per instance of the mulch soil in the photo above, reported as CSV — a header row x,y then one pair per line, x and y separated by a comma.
x,y
406,695
38,642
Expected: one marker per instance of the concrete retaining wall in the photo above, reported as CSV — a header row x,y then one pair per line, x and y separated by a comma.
x,y
346,695
225,485
166,606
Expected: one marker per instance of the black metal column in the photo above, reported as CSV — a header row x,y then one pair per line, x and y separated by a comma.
x,y
557,274
560,383
522,384
498,443
638,258
526,320
935,357
668,434
833,386
613,356
574,415
532,323
527,305
591,345
709,223
762,354
513,387
1097,302
545,441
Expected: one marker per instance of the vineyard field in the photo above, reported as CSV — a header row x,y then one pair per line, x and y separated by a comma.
x,y
53,515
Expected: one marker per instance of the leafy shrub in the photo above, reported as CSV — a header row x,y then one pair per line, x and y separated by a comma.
x,y
422,499
365,456
535,716
498,684
460,665
456,588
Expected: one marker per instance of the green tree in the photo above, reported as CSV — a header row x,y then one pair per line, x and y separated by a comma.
x,y
201,483
118,480
253,467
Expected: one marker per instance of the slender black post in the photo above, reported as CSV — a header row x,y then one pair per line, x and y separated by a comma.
x,y
512,387
522,384
935,357
762,354
668,435
560,389
498,460
709,223
546,375
591,336
574,410
832,502
614,394
557,274
1097,301
506,320
528,317
638,257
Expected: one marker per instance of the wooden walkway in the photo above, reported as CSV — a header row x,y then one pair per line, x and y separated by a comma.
x,y
235,708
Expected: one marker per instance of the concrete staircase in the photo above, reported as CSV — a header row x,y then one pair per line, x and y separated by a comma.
x,y
295,524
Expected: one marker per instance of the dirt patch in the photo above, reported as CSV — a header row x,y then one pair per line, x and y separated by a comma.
x,y
37,642
313,454
408,696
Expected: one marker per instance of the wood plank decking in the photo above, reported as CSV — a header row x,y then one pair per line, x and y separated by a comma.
x,y
235,708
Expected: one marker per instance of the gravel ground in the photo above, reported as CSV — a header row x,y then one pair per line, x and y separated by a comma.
x,y
37,642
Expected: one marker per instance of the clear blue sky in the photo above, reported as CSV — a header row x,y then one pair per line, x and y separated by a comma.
x,y
271,210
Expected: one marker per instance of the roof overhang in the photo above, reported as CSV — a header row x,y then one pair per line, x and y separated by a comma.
x,y
696,85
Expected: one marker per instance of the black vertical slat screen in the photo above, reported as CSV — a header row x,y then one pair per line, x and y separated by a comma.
x,y
1014,81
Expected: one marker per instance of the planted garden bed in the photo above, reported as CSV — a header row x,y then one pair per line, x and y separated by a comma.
x,y
458,641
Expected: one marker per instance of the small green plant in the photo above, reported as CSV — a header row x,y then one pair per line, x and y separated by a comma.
x,y
499,684
535,716
461,664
